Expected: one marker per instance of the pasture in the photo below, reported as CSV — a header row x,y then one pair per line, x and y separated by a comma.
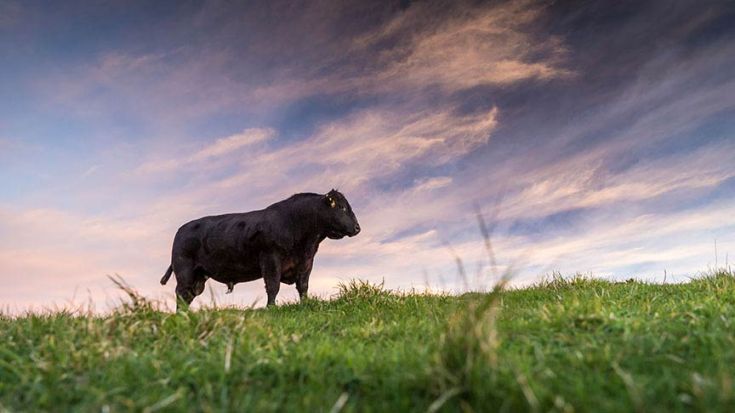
x,y
562,345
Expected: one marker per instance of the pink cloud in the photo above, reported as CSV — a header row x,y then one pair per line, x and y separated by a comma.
x,y
219,148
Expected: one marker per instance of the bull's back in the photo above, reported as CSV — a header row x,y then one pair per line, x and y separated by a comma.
x,y
218,232
225,247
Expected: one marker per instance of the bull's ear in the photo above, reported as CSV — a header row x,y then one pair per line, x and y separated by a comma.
x,y
330,201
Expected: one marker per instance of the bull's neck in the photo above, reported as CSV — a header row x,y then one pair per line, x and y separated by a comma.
x,y
306,223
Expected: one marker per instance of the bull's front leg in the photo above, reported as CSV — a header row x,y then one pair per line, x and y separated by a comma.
x,y
270,268
302,281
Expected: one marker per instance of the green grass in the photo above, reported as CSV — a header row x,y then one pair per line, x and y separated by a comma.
x,y
564,345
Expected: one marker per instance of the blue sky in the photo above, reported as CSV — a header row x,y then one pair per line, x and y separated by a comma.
x,y
597,136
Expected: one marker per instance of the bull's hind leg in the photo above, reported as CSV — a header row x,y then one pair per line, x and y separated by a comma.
x,y
302,281
199,280
270,268
189,283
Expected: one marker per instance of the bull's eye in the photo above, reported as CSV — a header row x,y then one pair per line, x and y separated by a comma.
x,y
344,209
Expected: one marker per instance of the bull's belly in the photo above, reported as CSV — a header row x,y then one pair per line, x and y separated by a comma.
x,y
242,272
232,271
288,277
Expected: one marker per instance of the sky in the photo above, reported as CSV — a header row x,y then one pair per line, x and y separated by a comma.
x,y
594,137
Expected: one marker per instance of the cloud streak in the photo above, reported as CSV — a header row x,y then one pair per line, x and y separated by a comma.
x,y
483,46
212,152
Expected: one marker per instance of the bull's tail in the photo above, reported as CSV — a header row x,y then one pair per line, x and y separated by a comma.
x,y
166,276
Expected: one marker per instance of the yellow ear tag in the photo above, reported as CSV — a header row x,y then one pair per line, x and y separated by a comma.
x,y
332,203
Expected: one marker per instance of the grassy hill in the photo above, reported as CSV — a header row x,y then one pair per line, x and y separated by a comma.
x,y
574,345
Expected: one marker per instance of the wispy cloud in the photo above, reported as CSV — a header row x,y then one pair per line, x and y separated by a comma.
x,y
219,148
482,46
371,145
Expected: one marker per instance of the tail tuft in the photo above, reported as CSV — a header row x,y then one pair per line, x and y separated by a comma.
x,y
166,276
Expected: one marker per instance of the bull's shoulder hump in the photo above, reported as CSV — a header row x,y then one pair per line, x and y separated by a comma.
x,y
293,201
224,217
246,223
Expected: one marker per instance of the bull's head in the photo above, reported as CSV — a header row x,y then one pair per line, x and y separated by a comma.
x,y
340,219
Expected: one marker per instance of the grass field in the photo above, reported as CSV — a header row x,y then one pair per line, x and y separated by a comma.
x,y
574,345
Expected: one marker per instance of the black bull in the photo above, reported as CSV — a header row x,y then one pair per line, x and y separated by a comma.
x,y
277,243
